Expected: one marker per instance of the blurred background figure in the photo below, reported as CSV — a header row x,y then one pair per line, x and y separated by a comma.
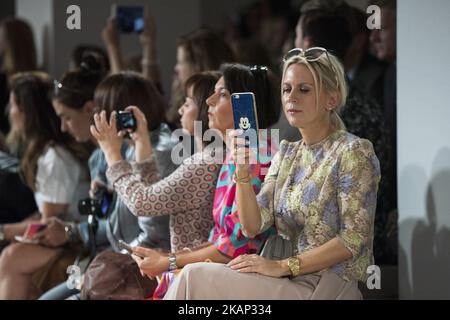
x,y
17,54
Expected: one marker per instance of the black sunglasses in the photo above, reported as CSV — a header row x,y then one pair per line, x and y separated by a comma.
x,y
311,55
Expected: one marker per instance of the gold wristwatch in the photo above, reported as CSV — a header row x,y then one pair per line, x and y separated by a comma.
x,y
294,265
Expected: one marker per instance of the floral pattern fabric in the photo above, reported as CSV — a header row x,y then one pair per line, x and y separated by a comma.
x,y
314,193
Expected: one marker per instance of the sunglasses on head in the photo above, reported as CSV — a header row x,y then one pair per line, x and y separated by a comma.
x,y
257,68
311,55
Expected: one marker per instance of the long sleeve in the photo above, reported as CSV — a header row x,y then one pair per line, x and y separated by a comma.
x,y
145,194
358,180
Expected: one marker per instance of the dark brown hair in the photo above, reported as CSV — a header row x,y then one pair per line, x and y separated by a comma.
x,y
20,53
264,85
41,126
202,85
124,89
77,87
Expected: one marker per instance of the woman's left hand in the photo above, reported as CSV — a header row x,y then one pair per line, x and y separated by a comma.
x,y
247,263
107,137
153,264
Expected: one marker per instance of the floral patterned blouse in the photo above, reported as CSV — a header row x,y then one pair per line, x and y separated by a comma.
x,y
314,193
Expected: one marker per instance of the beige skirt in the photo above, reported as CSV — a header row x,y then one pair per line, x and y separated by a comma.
x,y
215,281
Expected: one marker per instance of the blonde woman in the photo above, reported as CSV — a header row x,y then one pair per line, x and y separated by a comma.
x,y
320,193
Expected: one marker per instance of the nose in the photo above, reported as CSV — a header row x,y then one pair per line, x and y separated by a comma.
x,y
63,126
181,110
210,100
292,96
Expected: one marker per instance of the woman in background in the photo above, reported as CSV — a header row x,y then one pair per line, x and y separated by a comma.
x,y
17,54
53,165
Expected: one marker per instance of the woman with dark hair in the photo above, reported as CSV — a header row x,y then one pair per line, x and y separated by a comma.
x,y
143,178
186,194
320,193
52,165
197,89
114,94
225,241
17,54
73,96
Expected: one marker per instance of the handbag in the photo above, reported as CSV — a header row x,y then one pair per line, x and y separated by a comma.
x,y
115,276
277,248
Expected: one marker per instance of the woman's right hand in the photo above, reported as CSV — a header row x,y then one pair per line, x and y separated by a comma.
x,y
107,136
110,35
148,35
54,235
240,154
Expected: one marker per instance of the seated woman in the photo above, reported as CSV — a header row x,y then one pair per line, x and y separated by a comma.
x,y
114,93
320,193
53,166
226,240
186,195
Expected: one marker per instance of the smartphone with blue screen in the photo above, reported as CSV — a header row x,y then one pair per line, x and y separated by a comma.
x,y
245,116
130,19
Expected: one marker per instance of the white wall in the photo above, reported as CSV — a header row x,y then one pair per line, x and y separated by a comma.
x,y
169,18
424,148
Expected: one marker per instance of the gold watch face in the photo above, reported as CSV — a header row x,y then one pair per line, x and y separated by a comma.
x,y
294,266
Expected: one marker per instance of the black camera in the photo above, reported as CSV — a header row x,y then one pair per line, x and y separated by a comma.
x,y
97,206
126,120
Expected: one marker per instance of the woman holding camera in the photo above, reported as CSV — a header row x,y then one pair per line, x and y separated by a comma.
x,y
320,193
113,94
226,241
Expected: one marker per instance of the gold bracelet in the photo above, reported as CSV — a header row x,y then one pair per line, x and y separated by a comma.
x,y
246,179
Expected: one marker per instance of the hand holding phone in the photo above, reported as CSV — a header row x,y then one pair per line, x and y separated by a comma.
x,y
125,246
31,230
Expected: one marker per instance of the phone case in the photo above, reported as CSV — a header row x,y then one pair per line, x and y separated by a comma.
x,y
130,19
245,114
32,230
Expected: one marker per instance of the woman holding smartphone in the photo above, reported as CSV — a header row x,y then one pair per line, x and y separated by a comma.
x,y
320,193
53,165
226,240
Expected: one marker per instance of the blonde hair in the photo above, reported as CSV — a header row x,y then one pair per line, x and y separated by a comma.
x,y
330,77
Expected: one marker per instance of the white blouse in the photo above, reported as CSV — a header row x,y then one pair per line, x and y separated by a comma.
x,y
61,179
